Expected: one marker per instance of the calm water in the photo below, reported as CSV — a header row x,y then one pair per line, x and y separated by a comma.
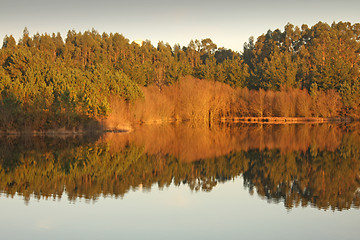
x,y
184,181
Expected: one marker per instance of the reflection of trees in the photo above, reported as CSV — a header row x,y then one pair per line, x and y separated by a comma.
x,y
193,142
315,176
320,178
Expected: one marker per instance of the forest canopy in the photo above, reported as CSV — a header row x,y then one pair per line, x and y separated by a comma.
x,y
47,81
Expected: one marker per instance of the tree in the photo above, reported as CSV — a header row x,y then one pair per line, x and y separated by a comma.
x,y
9,42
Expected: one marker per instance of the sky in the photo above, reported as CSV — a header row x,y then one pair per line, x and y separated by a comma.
x,y
228,211
229,23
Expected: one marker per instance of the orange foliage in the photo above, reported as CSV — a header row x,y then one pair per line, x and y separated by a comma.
x,y
192,99
120,117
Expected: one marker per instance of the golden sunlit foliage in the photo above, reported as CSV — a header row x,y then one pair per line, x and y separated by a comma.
x,y
195,100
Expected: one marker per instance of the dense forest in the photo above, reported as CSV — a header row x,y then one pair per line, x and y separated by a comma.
x,y
324,175
47,82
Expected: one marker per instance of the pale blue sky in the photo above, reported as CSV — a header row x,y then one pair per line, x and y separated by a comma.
x,y
228,23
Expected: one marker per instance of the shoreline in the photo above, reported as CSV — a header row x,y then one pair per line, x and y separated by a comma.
x,y
287,120
59,133
245,120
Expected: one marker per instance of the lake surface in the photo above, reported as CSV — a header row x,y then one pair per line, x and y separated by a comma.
x,y
176,181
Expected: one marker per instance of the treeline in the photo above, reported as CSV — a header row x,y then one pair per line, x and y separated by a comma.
x,y
46,81
197,100
319,177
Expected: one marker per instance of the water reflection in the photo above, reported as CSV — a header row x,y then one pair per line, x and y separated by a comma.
x,y
300,165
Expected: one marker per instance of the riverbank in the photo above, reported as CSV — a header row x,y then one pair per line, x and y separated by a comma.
x,y
128,127
286,120
63,132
